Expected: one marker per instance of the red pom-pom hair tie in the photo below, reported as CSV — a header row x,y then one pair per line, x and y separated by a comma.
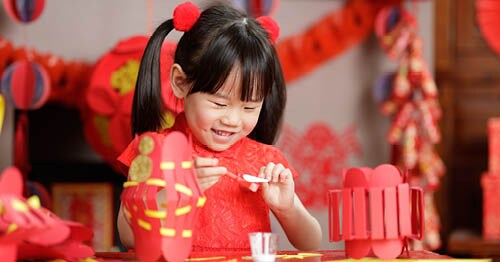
x,y
185,16
272,28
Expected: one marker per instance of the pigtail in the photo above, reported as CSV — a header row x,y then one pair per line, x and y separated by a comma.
x,y
147,108
271,115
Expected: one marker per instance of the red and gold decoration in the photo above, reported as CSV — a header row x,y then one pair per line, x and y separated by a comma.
x,y
109,96
29,231
415,110
488,19
24,11
162,226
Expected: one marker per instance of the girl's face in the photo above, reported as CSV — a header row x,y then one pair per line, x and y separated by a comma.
x,y
220,120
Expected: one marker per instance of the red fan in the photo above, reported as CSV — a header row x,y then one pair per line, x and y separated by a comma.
x,y
488,18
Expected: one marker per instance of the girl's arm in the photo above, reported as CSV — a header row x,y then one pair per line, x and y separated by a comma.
x,y
124,230
301,228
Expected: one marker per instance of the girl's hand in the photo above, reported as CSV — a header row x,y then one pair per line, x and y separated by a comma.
x,y
207,171
280,190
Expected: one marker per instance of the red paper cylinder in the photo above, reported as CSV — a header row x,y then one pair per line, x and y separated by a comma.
x,y
26,85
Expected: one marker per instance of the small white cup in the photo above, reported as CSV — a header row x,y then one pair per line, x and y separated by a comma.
x,y
264,246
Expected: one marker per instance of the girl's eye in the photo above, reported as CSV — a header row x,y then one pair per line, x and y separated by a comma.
x,y
219,104
250,107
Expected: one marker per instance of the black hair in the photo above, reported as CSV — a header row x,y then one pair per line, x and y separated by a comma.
x,y
222,38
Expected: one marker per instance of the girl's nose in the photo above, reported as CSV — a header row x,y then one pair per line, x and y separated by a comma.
x,y
232,117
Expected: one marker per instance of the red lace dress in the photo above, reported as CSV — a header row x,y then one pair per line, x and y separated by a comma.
x,y
230,212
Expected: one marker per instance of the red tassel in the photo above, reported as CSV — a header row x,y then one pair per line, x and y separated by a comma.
x,y
21,153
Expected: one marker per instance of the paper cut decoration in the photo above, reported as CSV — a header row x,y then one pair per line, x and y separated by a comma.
x,y
24,11
328,149
380,211
28,230
162,198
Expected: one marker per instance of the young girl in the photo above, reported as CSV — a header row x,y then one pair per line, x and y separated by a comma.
x,y
228,74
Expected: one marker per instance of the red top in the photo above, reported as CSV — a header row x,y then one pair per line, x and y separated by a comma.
x,y
231,211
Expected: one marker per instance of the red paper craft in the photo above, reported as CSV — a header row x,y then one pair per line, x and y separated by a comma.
x,y
379,212
28,230
162,197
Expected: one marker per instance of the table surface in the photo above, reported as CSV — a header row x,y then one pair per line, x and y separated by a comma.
x,y
323,255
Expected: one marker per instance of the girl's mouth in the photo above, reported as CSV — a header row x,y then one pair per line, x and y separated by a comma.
x,y
222,133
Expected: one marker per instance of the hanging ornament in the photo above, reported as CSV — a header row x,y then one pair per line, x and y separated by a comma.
x,y
394,27
109,96
24,11
488,18
257,8
25,85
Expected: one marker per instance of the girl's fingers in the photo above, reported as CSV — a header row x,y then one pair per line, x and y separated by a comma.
x,y
285,175
268,171
276,172
205,162
216,171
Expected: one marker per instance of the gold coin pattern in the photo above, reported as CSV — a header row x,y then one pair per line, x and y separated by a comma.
x,y
142,165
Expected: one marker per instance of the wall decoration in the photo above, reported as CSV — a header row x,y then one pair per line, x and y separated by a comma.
x,y
90,204
25,85
108,98
327,149
24,11
257,8
415,110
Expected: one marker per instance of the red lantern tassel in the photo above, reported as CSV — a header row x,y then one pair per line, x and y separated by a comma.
x,y
21,147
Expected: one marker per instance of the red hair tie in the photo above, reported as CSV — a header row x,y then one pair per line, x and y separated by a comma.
x,y
185,15
272,28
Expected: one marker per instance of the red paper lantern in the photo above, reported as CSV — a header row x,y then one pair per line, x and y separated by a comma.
x,y
24,11
488,18
257,8
110,94
26,85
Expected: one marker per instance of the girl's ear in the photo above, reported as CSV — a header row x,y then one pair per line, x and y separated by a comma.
x,y
178,81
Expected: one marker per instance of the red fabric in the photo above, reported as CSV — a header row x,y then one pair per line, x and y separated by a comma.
x,y
231,212
185,16
272,28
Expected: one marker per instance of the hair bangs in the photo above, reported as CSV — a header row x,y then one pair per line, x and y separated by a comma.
x,y
236,49
214,67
